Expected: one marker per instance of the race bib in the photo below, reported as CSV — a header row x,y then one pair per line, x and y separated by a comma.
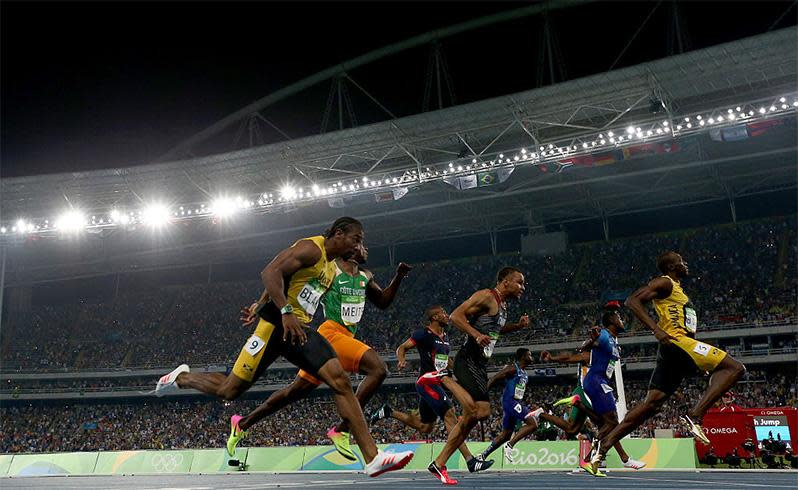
x,y
610,369
351,313
690,319
254,345
441,362
487,351
309,297
701,349
520,389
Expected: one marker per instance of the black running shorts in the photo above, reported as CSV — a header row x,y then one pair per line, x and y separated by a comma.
x,y
472,375
672,366
266,344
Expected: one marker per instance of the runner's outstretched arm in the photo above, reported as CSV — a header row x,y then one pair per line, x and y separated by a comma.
x,y
382,298
523,322
501,375
566,357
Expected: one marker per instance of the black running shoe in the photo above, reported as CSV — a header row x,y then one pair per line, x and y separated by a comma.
x,y
477,464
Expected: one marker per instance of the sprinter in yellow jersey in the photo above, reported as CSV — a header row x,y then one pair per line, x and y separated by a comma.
x,y
295,282
343,307
679,355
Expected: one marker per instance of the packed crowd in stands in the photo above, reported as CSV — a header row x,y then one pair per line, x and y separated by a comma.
x,y
203,423
741,274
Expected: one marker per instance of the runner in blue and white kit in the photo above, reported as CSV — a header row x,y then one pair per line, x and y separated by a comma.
x,y
515,411
605,353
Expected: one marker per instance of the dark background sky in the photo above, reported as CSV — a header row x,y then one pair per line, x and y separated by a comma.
x,y
105,84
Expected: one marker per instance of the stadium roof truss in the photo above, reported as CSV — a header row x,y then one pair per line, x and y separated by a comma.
x,y
539,135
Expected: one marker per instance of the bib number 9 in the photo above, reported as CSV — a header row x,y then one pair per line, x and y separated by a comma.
x,y
254,345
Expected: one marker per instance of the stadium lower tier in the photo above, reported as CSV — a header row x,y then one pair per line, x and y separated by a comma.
x,y
151,423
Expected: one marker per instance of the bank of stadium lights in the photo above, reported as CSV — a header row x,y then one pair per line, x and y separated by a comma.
x,y
632,134
119,217
72,221
222,207
156,215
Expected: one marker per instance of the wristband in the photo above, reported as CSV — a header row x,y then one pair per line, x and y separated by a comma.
x,y
287,310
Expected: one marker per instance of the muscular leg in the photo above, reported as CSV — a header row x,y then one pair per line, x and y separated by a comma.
x,y
297,390
529,427
348,407
728,372
472,413
608,422
588,411
228,387
450,420
413,421
570,427
503,437
649,407
374,368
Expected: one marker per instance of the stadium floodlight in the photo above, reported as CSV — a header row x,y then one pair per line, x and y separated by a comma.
x,y
155,215
21,226
223,207
288,192
71,221
2,229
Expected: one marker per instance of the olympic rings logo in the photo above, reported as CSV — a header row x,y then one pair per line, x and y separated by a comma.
x,y
167,462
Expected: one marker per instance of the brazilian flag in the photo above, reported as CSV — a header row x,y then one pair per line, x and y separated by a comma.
x,y
487,178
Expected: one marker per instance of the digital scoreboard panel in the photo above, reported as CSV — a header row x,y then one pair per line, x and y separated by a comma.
x,y
772,428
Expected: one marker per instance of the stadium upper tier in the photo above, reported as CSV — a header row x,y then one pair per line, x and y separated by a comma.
x,y
743,274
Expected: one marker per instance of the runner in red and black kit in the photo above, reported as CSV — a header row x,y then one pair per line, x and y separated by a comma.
x,y
483,317
433,402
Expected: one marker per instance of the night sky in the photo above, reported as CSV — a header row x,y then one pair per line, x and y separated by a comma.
x,y
97,85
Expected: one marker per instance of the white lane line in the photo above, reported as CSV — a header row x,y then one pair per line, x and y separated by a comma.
x,y
699,482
